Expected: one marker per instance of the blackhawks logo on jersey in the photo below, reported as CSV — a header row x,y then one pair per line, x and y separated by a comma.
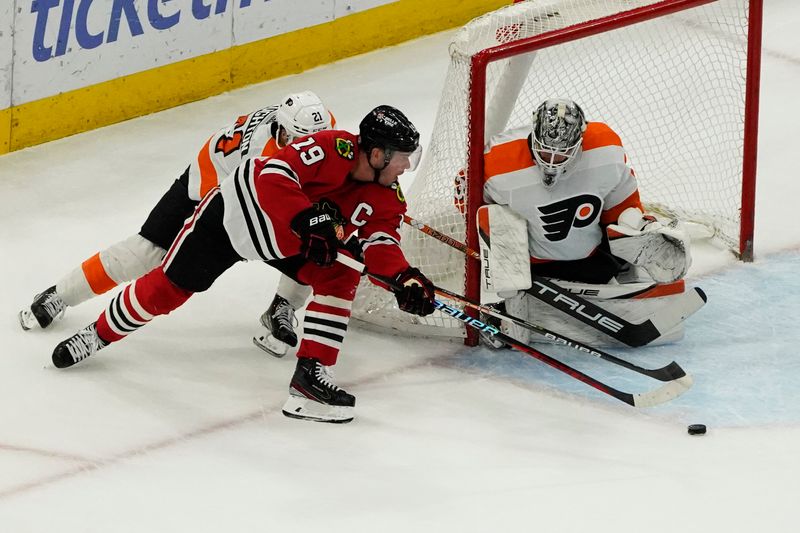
x,y
344,148
399,191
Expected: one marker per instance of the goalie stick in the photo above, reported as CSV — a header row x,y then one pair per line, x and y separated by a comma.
x,y
668,391
634,335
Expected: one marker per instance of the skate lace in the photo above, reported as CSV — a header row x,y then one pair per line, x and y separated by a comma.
x,y
83,344
52,303
325,376
284,316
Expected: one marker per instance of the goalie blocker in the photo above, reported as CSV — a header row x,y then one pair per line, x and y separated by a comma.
x,y
657,254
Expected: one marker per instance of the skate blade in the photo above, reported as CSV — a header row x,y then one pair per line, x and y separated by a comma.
x,y
304,408
271,345
26,319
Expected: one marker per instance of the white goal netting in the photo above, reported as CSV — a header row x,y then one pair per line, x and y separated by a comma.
x,y
673,87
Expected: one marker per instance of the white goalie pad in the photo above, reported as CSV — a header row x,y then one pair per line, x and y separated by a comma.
x,y
503,237
662,251
635,302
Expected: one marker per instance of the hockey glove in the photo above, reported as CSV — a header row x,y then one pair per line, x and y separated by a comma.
x,y
662,251
417,292
318,242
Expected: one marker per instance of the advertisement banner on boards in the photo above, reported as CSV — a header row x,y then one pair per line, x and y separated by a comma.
x,y
276,17
62,45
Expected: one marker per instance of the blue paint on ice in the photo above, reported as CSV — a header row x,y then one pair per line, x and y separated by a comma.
x,y
741,348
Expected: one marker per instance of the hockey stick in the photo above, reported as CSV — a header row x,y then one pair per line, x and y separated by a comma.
x,y
666,318
669,372
665,393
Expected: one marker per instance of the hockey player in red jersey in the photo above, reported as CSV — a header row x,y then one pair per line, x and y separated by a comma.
x,y
291,211
261,133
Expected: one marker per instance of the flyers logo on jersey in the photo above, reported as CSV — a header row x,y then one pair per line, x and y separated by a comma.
x,y
344,148
559,217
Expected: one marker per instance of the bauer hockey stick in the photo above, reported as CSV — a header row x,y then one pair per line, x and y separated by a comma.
x,y
635,335
670,372
665,393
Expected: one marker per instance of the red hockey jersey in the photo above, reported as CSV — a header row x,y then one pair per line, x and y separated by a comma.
x,y
264,194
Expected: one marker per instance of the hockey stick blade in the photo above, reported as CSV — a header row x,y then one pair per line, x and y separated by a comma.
x,y
668,391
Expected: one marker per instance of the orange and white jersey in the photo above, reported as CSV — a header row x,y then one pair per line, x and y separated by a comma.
x,y
565,221
250,136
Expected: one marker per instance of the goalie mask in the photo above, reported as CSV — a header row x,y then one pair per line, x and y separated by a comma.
x,y
387,128
557,133
301,114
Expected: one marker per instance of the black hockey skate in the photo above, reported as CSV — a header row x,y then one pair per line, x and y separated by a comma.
x,y
314,396
78,347
280,321
46,307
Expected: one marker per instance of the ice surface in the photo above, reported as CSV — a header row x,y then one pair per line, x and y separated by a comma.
x,y
179,428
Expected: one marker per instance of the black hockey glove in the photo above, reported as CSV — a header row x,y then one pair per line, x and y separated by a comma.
x,y
318,242
417,293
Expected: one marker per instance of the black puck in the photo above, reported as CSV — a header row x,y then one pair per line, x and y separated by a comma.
x,y
697,429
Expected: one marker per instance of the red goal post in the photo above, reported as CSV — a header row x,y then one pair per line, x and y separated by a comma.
x,y
677,79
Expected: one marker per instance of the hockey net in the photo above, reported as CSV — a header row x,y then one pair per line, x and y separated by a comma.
x,y
677,79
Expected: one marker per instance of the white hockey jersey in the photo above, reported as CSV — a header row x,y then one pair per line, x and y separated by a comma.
x,y
565,222
250,136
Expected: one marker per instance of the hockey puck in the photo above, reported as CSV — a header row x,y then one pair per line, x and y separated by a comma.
x,y
697,429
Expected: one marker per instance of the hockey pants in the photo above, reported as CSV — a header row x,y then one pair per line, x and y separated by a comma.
x,y
200,253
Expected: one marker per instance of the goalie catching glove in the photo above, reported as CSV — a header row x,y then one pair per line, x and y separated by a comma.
x,y
317,232
662,251
417,293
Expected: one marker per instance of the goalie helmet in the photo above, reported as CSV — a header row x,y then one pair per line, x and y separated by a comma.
x,y
388,128
301,114
557,133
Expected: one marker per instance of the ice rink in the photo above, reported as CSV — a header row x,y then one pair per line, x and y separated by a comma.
x,y
179,429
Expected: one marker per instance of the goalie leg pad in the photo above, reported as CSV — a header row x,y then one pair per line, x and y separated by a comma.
x,y
519,307
634,302
505,260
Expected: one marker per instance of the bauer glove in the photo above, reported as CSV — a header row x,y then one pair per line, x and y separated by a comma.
x,y
416,293
318,242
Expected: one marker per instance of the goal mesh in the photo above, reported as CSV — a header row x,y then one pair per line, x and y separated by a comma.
x,y
673,87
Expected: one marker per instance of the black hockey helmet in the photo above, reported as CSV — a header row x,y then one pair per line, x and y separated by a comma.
x,y
388,128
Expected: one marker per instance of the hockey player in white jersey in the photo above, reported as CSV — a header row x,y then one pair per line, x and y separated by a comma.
x,y
571,184
261,133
